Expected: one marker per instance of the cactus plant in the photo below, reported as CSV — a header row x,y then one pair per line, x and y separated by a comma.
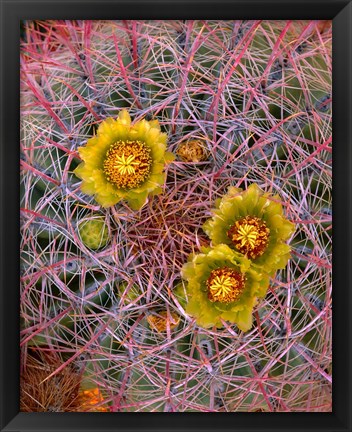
x,y
102,296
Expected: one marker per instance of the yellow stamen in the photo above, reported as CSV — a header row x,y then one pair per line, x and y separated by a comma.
x,y
250,235
127,164
247,234
225,285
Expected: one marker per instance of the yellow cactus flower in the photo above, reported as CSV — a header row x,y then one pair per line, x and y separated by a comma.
x,y
124,161
252,223
223,285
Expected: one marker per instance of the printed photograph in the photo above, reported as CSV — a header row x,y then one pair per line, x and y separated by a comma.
x,y
176,216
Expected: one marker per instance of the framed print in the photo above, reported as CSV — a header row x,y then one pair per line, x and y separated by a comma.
x,y
168,191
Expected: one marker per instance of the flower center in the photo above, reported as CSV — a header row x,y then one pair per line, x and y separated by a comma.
x,y
250,235
127,164
225,285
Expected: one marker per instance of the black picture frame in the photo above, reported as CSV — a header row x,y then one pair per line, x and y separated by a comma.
x,y
12,11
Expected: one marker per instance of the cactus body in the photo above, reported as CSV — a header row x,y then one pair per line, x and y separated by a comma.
x,y
254,98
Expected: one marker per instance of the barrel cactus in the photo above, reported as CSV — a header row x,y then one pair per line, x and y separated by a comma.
x,y
104,303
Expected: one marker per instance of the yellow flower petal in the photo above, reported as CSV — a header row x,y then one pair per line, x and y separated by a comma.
x,y
106,127
140,130
88,187
154,124
169,157
138,202
107,201
124,118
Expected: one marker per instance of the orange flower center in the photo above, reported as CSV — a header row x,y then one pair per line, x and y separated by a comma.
x,y
250,236
127,164
225,285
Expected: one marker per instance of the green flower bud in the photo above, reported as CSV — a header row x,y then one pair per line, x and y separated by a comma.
x,y
94,233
